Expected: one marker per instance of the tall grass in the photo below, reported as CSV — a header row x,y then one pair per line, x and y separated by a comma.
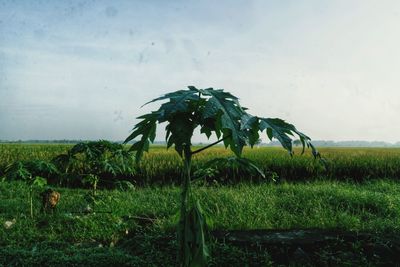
x,y
162,166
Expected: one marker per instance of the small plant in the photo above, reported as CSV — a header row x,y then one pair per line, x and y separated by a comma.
x,y
35,184
32,173
91,179
214,112
94,161
229,168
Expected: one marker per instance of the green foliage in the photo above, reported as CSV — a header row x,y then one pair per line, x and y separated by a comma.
x,y
31,173
35,184
92,180
39,182
275,128
124,185
100,159
215,112
221,115
28,170
223,169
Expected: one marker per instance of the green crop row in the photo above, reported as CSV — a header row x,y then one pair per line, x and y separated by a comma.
x,y
162,166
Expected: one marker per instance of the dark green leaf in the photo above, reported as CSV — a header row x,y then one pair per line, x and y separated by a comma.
x,y
225,108
178,97
179,132
147,129
279,129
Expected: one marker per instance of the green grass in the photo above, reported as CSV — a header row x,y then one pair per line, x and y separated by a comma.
x,y
115,229
373,207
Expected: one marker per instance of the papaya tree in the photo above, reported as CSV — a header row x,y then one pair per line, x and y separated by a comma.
x,y
214,112
95,161
34,173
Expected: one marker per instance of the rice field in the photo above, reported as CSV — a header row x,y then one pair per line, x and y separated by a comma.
x,y
161,166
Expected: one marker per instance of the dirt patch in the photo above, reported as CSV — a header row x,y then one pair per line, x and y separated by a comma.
x,y
317,247
295,247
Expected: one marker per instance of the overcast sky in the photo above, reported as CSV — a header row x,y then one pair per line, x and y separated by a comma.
x,y
82,69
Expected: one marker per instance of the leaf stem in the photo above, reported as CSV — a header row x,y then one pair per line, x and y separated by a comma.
x,y
210,145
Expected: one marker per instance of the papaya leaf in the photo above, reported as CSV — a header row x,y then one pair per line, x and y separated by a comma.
x,y
27,170
179,132
226,108
17,171
279,129
178,98
88,149
250,126
147,129
102,158
109,167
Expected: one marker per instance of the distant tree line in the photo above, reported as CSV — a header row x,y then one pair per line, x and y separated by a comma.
x,y
318,143
330,143
61,141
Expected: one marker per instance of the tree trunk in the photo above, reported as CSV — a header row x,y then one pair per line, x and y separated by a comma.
x,y
184,250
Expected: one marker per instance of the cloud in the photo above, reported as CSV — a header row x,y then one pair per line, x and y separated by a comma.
x,y
328,67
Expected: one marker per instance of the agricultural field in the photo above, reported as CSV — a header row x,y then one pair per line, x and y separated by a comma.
x,y
342,211
162,166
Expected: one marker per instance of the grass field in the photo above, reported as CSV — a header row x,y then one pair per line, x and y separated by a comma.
x,y
136,227
373,207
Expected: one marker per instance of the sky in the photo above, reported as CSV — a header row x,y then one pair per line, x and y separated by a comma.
x,y
82,69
